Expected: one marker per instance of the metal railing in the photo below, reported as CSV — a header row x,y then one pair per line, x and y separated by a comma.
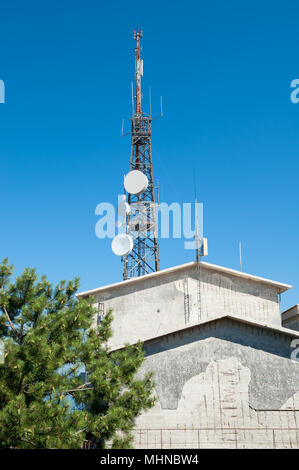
x,y
224,437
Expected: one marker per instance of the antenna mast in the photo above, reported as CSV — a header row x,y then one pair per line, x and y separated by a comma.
x,y
141,222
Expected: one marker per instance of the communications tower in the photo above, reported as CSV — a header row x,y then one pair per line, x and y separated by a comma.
x,y
141,222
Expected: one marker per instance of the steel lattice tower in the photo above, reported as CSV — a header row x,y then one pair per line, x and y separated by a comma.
x,y
141,223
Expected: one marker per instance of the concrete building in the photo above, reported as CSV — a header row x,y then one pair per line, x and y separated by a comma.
x,y
223,356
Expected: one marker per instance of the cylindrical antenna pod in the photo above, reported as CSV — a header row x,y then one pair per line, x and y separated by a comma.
x,y
123,209
135,182
122,244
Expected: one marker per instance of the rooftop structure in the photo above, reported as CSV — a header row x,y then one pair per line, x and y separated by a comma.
x,y
176,298
222,354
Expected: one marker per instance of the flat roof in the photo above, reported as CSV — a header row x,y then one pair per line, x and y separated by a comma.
x,y
281,287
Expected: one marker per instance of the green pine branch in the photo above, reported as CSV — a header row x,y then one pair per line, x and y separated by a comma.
x,y
49,338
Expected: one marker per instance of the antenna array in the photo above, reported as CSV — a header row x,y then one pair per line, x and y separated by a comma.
x,y
140,211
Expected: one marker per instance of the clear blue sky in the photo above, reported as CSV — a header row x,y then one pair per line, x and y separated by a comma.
x,y
224,70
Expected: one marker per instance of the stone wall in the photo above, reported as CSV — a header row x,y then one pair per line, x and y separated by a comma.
x,y
161,305
223,385
290,318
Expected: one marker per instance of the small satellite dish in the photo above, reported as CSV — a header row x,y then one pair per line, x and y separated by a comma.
x,y
123,209
135,182
122,244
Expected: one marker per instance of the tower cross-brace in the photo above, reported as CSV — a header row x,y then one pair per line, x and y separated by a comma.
x,y
141,223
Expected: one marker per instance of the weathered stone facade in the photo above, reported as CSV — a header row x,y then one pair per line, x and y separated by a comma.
x,y
220,356
224,384
290,318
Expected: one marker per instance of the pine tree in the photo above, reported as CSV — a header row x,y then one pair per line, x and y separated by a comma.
x,y
50,337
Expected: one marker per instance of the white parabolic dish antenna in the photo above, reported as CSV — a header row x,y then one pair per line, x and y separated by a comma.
x,y
122,244
135,182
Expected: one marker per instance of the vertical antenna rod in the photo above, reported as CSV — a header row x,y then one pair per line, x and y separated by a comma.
x,y
141,221
196,234
138,70
240,253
